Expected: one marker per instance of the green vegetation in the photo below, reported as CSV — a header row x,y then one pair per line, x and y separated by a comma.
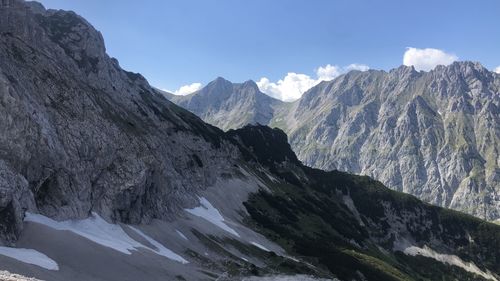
x,y
306,213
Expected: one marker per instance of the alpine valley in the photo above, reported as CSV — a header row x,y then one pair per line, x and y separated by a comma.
x,y
435,135
103,178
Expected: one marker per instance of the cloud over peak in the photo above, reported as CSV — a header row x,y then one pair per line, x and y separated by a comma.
x,y
497,70
293,85
188,89
427,59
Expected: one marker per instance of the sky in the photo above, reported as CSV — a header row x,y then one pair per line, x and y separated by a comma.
x,y
287,46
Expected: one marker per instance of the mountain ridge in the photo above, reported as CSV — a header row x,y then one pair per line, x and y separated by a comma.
x,y
453,107
232,105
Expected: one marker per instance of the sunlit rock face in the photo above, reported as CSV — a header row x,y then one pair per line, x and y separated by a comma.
x,y
432,134
81,135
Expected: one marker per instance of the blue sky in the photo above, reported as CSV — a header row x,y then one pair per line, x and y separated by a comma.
x,y
179,42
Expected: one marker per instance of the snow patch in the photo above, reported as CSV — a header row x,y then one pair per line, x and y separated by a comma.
x,y
208,212
29,256
161,250
93,228
103,233
181,235
448,259
260,246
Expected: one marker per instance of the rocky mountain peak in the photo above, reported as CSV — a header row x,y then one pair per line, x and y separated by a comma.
x,y
230,105
219,83
94,138
251,84
268,145
462,68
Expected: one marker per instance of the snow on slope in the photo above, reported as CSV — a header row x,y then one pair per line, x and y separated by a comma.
x,y
208,212
161,250
103,233
30,256
260,246
448,259
181,235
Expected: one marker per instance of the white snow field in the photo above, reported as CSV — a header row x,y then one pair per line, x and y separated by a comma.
x,y
29,256
260,246
106,234
161,250
208,212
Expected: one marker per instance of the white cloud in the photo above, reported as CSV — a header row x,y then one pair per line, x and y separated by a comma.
x,y
355,66
328,72
293,85
428,58
187,89
497,70
289,88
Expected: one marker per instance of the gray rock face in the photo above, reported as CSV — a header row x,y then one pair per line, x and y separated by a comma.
x,y
432,134
81,135
227,105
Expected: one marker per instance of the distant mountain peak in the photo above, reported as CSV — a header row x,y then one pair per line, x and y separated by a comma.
x,y
230,105
251,84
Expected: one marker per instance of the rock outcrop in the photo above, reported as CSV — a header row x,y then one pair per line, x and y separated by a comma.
x,y
81,135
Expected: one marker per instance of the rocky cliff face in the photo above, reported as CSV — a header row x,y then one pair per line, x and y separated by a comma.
x,y
432,134
81,135
228,106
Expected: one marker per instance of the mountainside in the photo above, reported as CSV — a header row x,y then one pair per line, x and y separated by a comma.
x,y
432,134
102,178
80,135
356,227
227,105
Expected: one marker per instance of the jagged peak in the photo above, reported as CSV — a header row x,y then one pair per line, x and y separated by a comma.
x,y
222,86
403,69
461,66
59,26
268,145
250,83
220,79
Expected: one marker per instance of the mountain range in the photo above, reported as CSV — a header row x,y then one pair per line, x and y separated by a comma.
x,y
433,134
103,178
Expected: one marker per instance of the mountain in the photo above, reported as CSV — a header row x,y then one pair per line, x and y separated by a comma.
x,y
102,178
227,105
432,134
